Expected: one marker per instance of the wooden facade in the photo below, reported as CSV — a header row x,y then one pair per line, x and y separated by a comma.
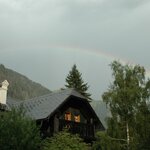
x,y
58,110
76,115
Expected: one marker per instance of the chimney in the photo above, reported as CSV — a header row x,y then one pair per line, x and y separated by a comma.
x,y
3,92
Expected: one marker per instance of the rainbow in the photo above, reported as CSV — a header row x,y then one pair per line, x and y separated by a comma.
x,y
92,52
96,53
88,51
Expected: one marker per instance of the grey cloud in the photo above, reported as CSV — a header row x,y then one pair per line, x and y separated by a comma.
x,y
120,27
83,23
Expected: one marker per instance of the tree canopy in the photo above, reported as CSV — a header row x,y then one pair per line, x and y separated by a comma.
x,y
127,98
64,141
74,80
18,132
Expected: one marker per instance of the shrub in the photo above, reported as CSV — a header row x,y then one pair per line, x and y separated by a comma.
x,y
64,140
18,132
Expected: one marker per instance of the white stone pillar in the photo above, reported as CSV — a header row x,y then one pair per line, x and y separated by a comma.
x,y
3,92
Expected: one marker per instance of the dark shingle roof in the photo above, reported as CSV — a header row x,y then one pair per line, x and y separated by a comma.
x,y
41,107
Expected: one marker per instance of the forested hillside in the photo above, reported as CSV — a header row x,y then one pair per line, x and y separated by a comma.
x,y
20,87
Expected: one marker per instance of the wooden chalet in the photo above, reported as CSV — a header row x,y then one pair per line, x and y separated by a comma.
x,y
62,109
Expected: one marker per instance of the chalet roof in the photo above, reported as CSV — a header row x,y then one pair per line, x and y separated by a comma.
x,y
41,107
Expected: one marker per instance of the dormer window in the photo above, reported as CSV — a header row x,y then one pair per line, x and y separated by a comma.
x,y
68,116
73,114
77,118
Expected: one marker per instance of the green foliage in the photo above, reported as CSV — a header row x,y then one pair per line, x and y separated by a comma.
x,y
20,87
74,80
127,90
64,141
18,132
105,142
143,127
127,99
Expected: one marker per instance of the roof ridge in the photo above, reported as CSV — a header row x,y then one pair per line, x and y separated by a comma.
x,y
46,95
49,94
34,98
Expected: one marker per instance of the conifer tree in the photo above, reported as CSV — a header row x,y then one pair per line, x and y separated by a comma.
x,y
74,80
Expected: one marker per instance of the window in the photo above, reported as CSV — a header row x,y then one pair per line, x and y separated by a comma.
x,y
77,118
68,116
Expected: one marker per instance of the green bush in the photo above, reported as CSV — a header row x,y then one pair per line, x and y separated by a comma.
x,y
18,132
105,142
64,141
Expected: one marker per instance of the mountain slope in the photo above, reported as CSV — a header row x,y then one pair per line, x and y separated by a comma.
x,y
20,87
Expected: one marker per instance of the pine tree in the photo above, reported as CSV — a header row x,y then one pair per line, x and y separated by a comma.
x,y
74,80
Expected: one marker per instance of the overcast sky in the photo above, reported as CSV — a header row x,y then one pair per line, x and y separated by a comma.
x,y
42,39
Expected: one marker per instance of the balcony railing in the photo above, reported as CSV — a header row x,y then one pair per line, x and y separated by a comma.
x,y
86,131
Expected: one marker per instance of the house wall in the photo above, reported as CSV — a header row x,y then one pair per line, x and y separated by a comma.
x,y
56,120
75,104
74,112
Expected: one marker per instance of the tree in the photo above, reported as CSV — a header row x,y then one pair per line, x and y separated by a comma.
x,y
105,142
64,140
74,80
18,132
125,97
143,127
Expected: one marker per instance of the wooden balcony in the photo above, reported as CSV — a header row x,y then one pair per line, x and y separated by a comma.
x,y
86,131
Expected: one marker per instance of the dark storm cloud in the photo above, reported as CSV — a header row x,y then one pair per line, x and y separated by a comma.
x,y
35,28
